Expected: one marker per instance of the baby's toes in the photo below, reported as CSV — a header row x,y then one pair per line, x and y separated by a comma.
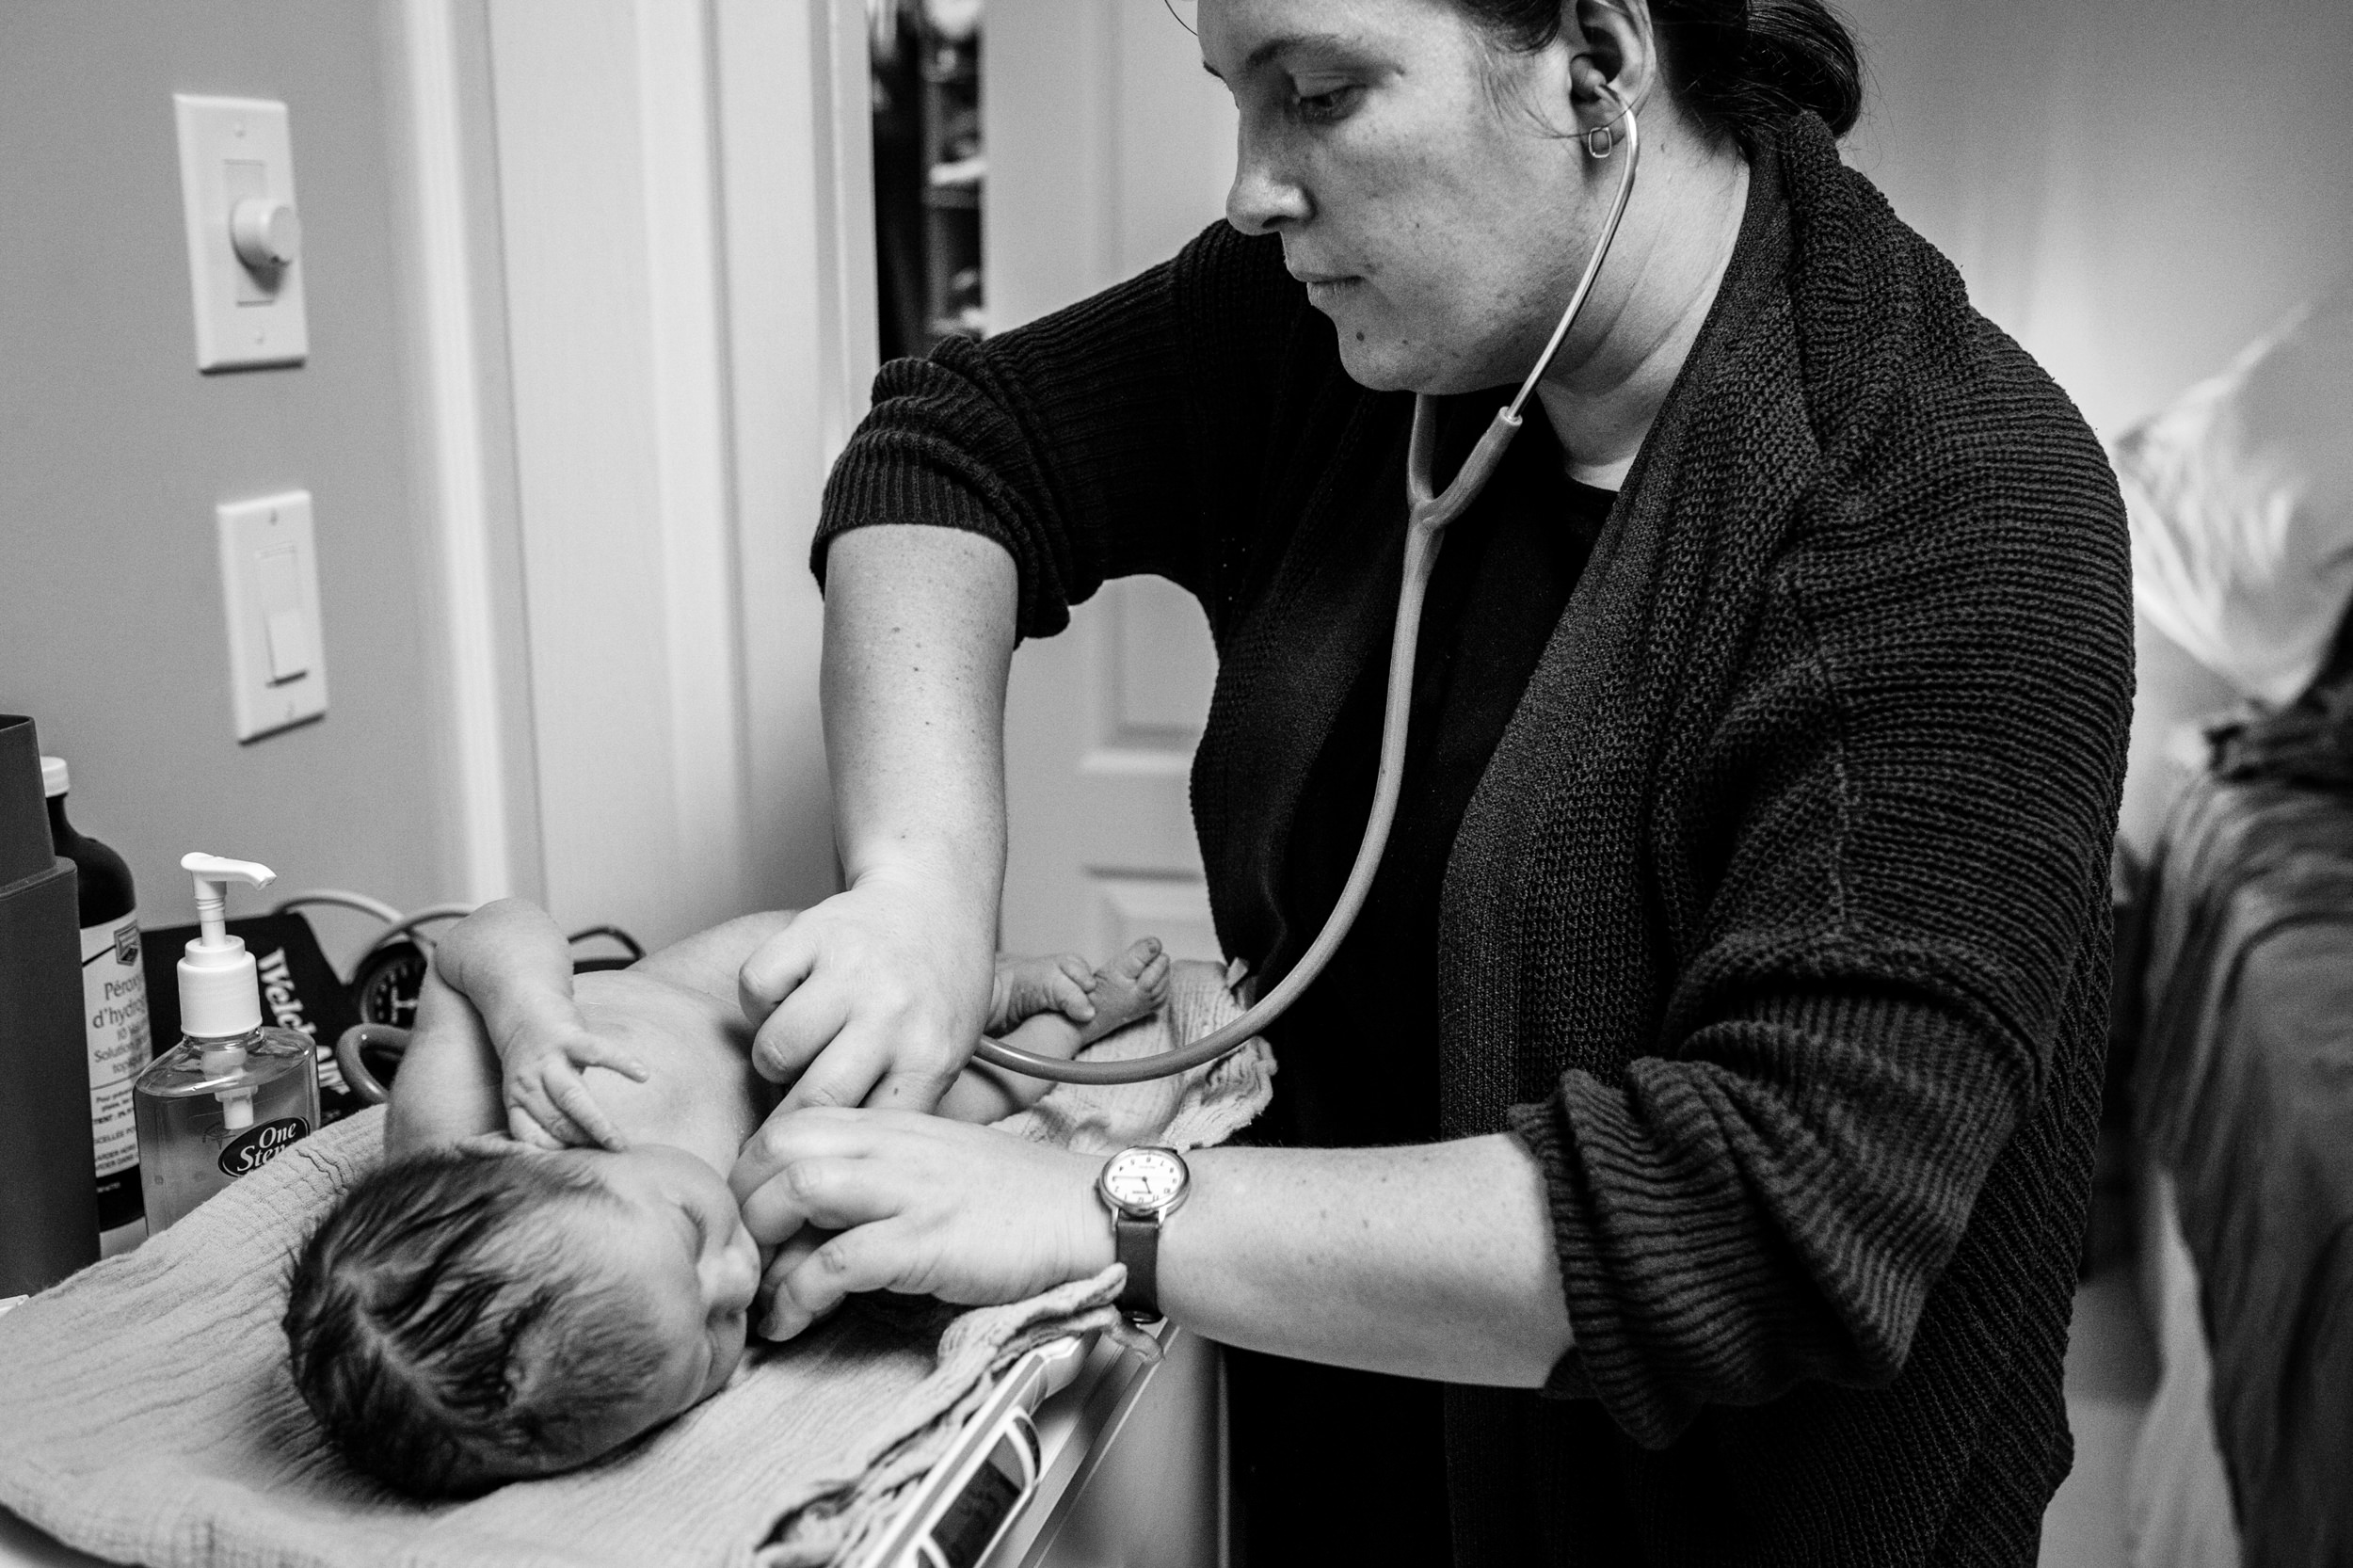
x,y
1141,955
1152,985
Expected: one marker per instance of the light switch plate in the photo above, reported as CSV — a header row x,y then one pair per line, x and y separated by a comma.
x,y
269,577
230,149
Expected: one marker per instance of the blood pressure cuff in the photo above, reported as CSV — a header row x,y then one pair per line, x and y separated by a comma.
x,y
299,990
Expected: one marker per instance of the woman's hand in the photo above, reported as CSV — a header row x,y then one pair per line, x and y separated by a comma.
x,y
888,1200
876,996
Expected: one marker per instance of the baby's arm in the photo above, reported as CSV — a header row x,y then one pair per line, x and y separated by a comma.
x,y
511,963
448,1086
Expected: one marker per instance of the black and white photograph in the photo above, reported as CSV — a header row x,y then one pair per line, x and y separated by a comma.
x,y
1176,783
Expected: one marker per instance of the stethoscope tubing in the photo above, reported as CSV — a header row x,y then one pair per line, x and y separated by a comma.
x,y
1427,517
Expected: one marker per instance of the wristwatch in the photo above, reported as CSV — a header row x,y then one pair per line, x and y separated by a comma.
x,y
1142,1187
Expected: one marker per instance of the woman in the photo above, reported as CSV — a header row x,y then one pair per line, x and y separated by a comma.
x,y
1702,1110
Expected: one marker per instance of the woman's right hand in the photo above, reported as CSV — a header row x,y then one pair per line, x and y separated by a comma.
x,y
876,996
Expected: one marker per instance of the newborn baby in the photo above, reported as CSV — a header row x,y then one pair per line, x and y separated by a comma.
x,y
550,1263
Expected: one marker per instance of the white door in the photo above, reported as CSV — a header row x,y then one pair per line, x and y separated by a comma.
x,y
684,216
1107,148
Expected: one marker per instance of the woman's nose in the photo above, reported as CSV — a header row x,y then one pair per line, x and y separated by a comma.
x,y
1263,199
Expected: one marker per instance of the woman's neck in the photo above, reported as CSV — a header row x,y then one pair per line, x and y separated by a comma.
x,y
1646,310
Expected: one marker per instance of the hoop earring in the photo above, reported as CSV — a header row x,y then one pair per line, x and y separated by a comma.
x,y
1599,144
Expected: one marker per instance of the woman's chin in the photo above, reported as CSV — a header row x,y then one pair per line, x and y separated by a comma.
x,y
1382,363
1392,365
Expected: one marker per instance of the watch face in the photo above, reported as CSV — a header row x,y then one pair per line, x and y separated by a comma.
x,y
1143,1180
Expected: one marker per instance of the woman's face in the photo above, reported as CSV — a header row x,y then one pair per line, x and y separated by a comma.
x,y
1427,185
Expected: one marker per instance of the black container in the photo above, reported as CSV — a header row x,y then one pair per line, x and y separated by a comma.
x,y
113,1010
48,1180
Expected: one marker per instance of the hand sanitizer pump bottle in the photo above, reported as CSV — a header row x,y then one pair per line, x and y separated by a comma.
x,y
230,1096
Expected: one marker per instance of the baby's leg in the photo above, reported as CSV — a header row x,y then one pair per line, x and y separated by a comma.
x,y
1132,985
1024,988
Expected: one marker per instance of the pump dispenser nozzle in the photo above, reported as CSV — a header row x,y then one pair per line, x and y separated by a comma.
x,y
220,995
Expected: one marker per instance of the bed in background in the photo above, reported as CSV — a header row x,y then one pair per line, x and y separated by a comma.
x,y
2244,1097
2241,501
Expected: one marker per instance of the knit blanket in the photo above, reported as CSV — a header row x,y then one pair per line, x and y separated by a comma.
x,y
147,1414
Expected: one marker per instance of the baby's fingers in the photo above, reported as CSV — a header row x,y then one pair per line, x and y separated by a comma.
x,y
525,1130
587,1050
573,1097
527,1097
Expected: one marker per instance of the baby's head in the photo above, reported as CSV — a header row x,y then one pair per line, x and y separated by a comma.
x,y
491,1312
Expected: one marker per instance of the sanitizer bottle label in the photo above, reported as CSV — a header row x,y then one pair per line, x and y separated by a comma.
x,y
114,1013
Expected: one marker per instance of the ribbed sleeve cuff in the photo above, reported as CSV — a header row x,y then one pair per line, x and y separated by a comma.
x,y
902,476
1723,1233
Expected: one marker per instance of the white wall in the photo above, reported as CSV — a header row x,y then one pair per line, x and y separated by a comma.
x,y
2133,188
114,452
590,307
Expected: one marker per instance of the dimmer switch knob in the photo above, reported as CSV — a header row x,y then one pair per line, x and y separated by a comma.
x,y
266,233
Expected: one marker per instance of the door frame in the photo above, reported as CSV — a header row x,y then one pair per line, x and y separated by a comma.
x,y
646,326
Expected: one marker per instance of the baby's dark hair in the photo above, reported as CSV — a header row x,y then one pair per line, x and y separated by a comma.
x,y
446,1335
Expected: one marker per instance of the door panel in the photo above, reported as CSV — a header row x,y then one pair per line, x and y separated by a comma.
x,y
1099,729
1107,148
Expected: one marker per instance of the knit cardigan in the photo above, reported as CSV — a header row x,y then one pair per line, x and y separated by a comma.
x,y
1776,929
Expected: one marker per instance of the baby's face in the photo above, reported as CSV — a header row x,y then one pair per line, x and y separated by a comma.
x,y
679,1249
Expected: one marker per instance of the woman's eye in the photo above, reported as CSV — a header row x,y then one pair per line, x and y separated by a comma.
x,y
1323,106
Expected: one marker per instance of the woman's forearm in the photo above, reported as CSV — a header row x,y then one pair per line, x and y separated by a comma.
x,y
1433,1261
919,634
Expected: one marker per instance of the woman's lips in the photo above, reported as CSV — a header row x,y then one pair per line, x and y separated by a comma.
x,y
1326,286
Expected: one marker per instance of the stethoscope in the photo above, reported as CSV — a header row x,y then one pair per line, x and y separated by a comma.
x,y
1427,517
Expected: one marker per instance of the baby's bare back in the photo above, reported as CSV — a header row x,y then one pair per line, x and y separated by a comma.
x,y
701,1093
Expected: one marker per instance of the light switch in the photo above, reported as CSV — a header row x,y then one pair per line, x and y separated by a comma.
x,y
278,578
270,583
244,235
289,645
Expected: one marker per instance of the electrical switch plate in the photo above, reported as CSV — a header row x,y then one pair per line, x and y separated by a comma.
x,y
270,577
245,262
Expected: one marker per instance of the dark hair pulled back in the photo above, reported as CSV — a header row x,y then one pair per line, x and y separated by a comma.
x,y
1734,65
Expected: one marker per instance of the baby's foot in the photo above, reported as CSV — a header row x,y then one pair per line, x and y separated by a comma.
x,y
1024,988
1132,985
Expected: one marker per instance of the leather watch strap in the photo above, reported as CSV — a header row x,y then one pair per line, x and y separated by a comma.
x,y
1137,1244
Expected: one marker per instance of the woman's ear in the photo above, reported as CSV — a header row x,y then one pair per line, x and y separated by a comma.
x,y
1617,52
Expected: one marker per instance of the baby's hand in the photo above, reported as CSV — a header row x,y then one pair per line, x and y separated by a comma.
x,y
548,1105
1024,988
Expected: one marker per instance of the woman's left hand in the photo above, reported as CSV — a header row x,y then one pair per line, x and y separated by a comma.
x,y
896,1200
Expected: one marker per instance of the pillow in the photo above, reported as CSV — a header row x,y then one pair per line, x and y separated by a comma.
x,y
2240,497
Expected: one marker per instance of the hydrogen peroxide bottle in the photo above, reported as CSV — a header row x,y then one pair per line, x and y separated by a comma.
x,y
231,1096
114,1013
